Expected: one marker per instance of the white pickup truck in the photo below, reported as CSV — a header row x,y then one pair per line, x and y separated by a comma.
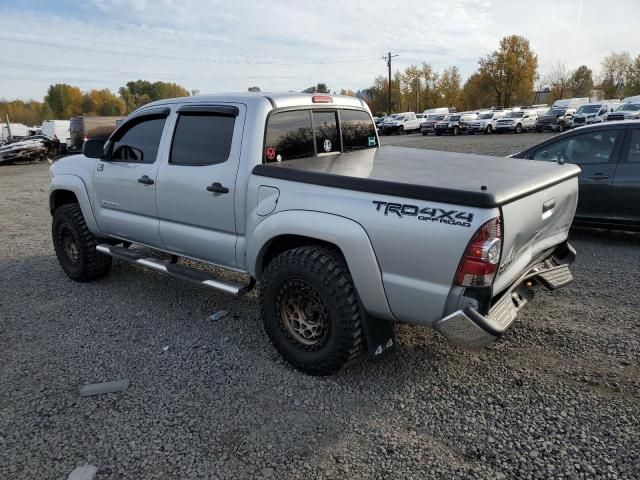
x,y
344,237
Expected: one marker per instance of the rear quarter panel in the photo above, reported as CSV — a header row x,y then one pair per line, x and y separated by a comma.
x,y
417,258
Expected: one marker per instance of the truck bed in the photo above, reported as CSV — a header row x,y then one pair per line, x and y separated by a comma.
x,y
459,178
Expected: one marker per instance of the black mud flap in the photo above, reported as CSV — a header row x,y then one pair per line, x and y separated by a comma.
x,y
379,335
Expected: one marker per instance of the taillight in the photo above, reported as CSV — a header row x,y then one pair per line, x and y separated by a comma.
x,y
480,262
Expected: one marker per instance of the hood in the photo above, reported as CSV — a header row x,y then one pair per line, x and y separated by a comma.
x,y
73,165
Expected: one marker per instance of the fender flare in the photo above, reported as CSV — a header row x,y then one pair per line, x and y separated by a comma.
x,y
349,236
75,184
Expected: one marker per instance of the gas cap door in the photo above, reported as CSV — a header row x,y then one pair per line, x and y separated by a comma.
x,y
267,200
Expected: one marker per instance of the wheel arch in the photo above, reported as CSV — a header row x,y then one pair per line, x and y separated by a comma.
x,y
293,228
65,189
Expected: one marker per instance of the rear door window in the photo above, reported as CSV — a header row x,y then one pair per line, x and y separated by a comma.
x,y
634,147
289,136
325,126
202,139
358,131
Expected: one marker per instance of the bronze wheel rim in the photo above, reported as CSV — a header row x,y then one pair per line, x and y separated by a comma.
x,y
303,314
69,244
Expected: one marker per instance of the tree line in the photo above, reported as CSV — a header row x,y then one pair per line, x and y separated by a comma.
x,y
64,101
505,77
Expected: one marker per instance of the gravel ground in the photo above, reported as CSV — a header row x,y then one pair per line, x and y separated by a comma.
x,y
558,396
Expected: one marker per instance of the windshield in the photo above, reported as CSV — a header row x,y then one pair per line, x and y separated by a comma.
x,y
454,118
557,111
515,114
588,109
629,107
436,117
485,116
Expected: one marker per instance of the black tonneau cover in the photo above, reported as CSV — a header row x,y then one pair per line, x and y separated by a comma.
x,y
458,178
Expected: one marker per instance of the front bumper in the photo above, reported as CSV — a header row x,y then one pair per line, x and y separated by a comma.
x,y
467,327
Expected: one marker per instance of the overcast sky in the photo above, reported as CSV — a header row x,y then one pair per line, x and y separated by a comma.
x,y
217,46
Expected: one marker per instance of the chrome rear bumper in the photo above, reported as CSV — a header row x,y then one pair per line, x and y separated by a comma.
x,y
469,328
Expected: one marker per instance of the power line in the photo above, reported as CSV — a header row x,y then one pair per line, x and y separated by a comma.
x,y
149,47
138,73
388,58
170,57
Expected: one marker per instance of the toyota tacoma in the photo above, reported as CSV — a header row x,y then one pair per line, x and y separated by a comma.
x,y
293,193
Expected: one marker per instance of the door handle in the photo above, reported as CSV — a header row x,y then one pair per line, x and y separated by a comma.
x,y
217,187
599,176
145,180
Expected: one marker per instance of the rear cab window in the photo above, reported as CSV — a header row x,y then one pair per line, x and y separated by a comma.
x,y
307,133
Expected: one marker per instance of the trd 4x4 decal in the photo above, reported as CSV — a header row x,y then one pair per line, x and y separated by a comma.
x,y
426,214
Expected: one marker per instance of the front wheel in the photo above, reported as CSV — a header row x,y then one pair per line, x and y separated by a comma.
x,y
456,131
489,129
401,131
518,128
561,127
310,309
75,245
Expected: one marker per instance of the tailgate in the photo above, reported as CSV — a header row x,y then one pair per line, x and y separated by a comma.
x,y
532,225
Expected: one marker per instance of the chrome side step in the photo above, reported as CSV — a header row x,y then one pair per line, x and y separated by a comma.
x,y
175,270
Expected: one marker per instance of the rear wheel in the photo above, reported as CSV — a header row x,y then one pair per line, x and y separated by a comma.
x,y
310,309
75,245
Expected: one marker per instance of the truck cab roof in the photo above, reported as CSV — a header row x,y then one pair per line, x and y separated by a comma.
x,y
277,100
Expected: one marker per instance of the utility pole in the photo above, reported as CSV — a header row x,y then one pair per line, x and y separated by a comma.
x,y
388,58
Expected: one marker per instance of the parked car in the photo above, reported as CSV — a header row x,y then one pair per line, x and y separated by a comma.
x,y
428,124
454,124
608,155
486,121
88,127
560,115
291,192
401,123
595,112
626,111
517,122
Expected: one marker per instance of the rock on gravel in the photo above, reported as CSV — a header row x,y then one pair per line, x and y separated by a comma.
x,y
557,397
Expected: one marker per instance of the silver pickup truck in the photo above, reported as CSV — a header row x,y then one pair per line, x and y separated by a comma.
x,y
344,236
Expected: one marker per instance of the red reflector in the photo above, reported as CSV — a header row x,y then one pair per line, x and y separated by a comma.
x,y
321,99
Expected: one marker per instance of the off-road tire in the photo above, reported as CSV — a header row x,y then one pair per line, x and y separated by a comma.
x,y
90,264
325,271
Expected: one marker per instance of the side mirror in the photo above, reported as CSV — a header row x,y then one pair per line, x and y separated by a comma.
x,y
93,148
